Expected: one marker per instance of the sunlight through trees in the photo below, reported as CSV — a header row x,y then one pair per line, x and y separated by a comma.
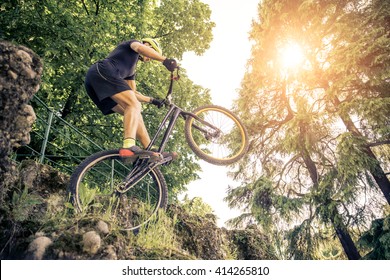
x,y
318,116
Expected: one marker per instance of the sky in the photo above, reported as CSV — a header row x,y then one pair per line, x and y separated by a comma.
x,y
221,70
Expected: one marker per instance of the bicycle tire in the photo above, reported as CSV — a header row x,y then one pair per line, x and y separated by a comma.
x,y
228,147
93,190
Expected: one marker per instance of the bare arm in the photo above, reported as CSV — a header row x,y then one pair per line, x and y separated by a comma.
x,y
147,51
140,97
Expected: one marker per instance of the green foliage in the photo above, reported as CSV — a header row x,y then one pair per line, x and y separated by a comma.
x,y
196,206
255,199
87,197
253,244
377,238
374,113
329,248
71,35
301,245
352,157
183,25
22,205
261,199
313,126
163,227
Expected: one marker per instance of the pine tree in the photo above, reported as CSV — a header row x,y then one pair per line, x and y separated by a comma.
x,y
313,126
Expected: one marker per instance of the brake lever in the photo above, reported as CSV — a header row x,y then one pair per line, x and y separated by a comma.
x,y
177,77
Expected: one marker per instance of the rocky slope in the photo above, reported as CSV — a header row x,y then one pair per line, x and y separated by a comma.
x,y
39,225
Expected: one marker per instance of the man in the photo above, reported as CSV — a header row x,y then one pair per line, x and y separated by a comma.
x,y
110,83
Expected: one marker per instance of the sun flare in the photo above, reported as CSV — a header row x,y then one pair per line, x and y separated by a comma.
x,y
291,55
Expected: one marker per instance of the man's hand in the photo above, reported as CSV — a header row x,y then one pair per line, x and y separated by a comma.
x,y
170,64
157,102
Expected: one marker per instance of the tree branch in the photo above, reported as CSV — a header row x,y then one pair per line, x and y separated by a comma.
x,y
85,7
385,142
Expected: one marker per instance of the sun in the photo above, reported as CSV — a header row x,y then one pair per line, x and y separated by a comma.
x,y
291,55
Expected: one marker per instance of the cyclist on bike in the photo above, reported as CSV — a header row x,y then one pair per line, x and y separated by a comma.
x,y
110,83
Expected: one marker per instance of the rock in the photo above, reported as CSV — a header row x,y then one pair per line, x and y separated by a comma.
x,y
37,248
102,227
23,124
91,242
198,236
109,253
20,76
43,179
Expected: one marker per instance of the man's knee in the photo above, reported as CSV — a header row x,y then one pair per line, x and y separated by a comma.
x,y
137,106
127,101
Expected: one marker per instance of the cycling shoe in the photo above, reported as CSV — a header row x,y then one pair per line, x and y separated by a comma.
x,y
135,152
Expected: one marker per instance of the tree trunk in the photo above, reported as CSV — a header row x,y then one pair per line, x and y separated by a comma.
x,y
68,105
346,241
377,173
341,230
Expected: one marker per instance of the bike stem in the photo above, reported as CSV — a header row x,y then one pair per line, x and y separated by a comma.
x,y
173,78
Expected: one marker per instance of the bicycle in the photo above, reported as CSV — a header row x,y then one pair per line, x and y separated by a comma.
x,y
133,193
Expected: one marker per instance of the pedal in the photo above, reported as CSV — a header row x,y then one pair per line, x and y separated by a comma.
x,y
166,161
156,159
145,158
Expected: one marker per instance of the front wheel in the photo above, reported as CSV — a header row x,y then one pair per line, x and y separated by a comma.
x,y
94,191
216,135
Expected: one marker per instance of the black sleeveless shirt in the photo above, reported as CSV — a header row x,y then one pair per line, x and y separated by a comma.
x,y
124,59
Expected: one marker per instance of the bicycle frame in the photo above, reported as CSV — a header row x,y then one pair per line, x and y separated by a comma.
x,y
143,167
173,113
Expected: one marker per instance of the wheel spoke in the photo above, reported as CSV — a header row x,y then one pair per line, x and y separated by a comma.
x,y
224,147
96,186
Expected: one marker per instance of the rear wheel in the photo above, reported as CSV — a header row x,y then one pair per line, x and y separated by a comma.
x,y
221,139
94,189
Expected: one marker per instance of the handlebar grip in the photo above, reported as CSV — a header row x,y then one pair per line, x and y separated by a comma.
x,y
157,102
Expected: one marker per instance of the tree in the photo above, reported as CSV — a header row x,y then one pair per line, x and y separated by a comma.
x,y
377,238
313,173
71,35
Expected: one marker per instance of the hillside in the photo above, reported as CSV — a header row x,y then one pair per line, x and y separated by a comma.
x,y
39,225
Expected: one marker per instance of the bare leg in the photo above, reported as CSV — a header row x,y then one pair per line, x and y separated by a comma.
x,y
133,123
142,133
141,130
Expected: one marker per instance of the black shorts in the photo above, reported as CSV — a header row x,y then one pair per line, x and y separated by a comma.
x,y
102,81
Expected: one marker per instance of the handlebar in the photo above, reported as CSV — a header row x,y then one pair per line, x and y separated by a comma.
x,y
167,100
173,78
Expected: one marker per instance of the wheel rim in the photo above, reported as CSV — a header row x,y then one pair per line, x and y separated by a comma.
x,y
231,128
96,193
